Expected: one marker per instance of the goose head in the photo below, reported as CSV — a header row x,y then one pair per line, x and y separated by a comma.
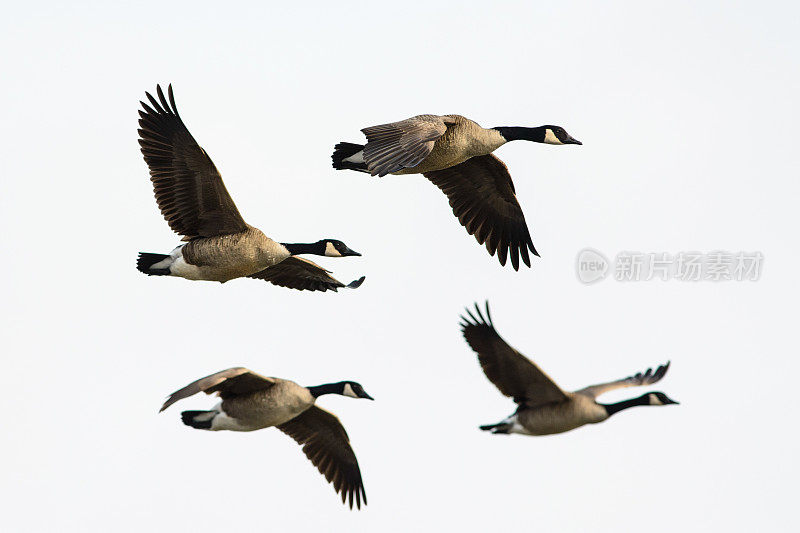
x,y
659,398
354,390
558,135
334,248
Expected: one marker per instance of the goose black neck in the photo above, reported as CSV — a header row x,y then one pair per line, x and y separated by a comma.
x,y
301,248
328,388
612,408
517,133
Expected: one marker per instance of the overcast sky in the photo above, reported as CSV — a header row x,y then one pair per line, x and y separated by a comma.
x,y
688,114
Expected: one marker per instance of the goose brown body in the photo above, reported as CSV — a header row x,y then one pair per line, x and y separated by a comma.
x,y
576,411
236,255
463,139
278,404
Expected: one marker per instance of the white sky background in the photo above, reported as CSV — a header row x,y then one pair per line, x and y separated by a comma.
x,y
688,116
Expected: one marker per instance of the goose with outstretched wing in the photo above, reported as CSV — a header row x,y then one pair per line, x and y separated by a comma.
x,y
543,408
250,401
220,245
455,154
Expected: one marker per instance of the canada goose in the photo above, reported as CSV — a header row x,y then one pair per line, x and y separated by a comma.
x,y
455,153
251,401
544,408
195,203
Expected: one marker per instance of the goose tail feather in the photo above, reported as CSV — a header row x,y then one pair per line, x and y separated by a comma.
x,y
198,419
146,261
502,427
349,156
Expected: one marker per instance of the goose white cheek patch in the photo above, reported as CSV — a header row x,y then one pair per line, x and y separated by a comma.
x,y
331,251
550,137
348,391
655,401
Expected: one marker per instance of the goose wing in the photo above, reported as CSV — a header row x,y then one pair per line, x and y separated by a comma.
x,y
327,446
637,380
188,188
230,382
483,199
404,144
511,372
302,274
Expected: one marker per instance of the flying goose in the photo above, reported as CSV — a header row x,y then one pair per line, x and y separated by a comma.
x,y
544,408
251,401
455,154
195,203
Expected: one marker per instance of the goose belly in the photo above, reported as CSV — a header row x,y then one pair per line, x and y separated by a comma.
x,y
226,257
437,160
278,404
558,418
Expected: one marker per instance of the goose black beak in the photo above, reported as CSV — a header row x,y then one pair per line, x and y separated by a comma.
x,y
572,140
349,252
368,397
